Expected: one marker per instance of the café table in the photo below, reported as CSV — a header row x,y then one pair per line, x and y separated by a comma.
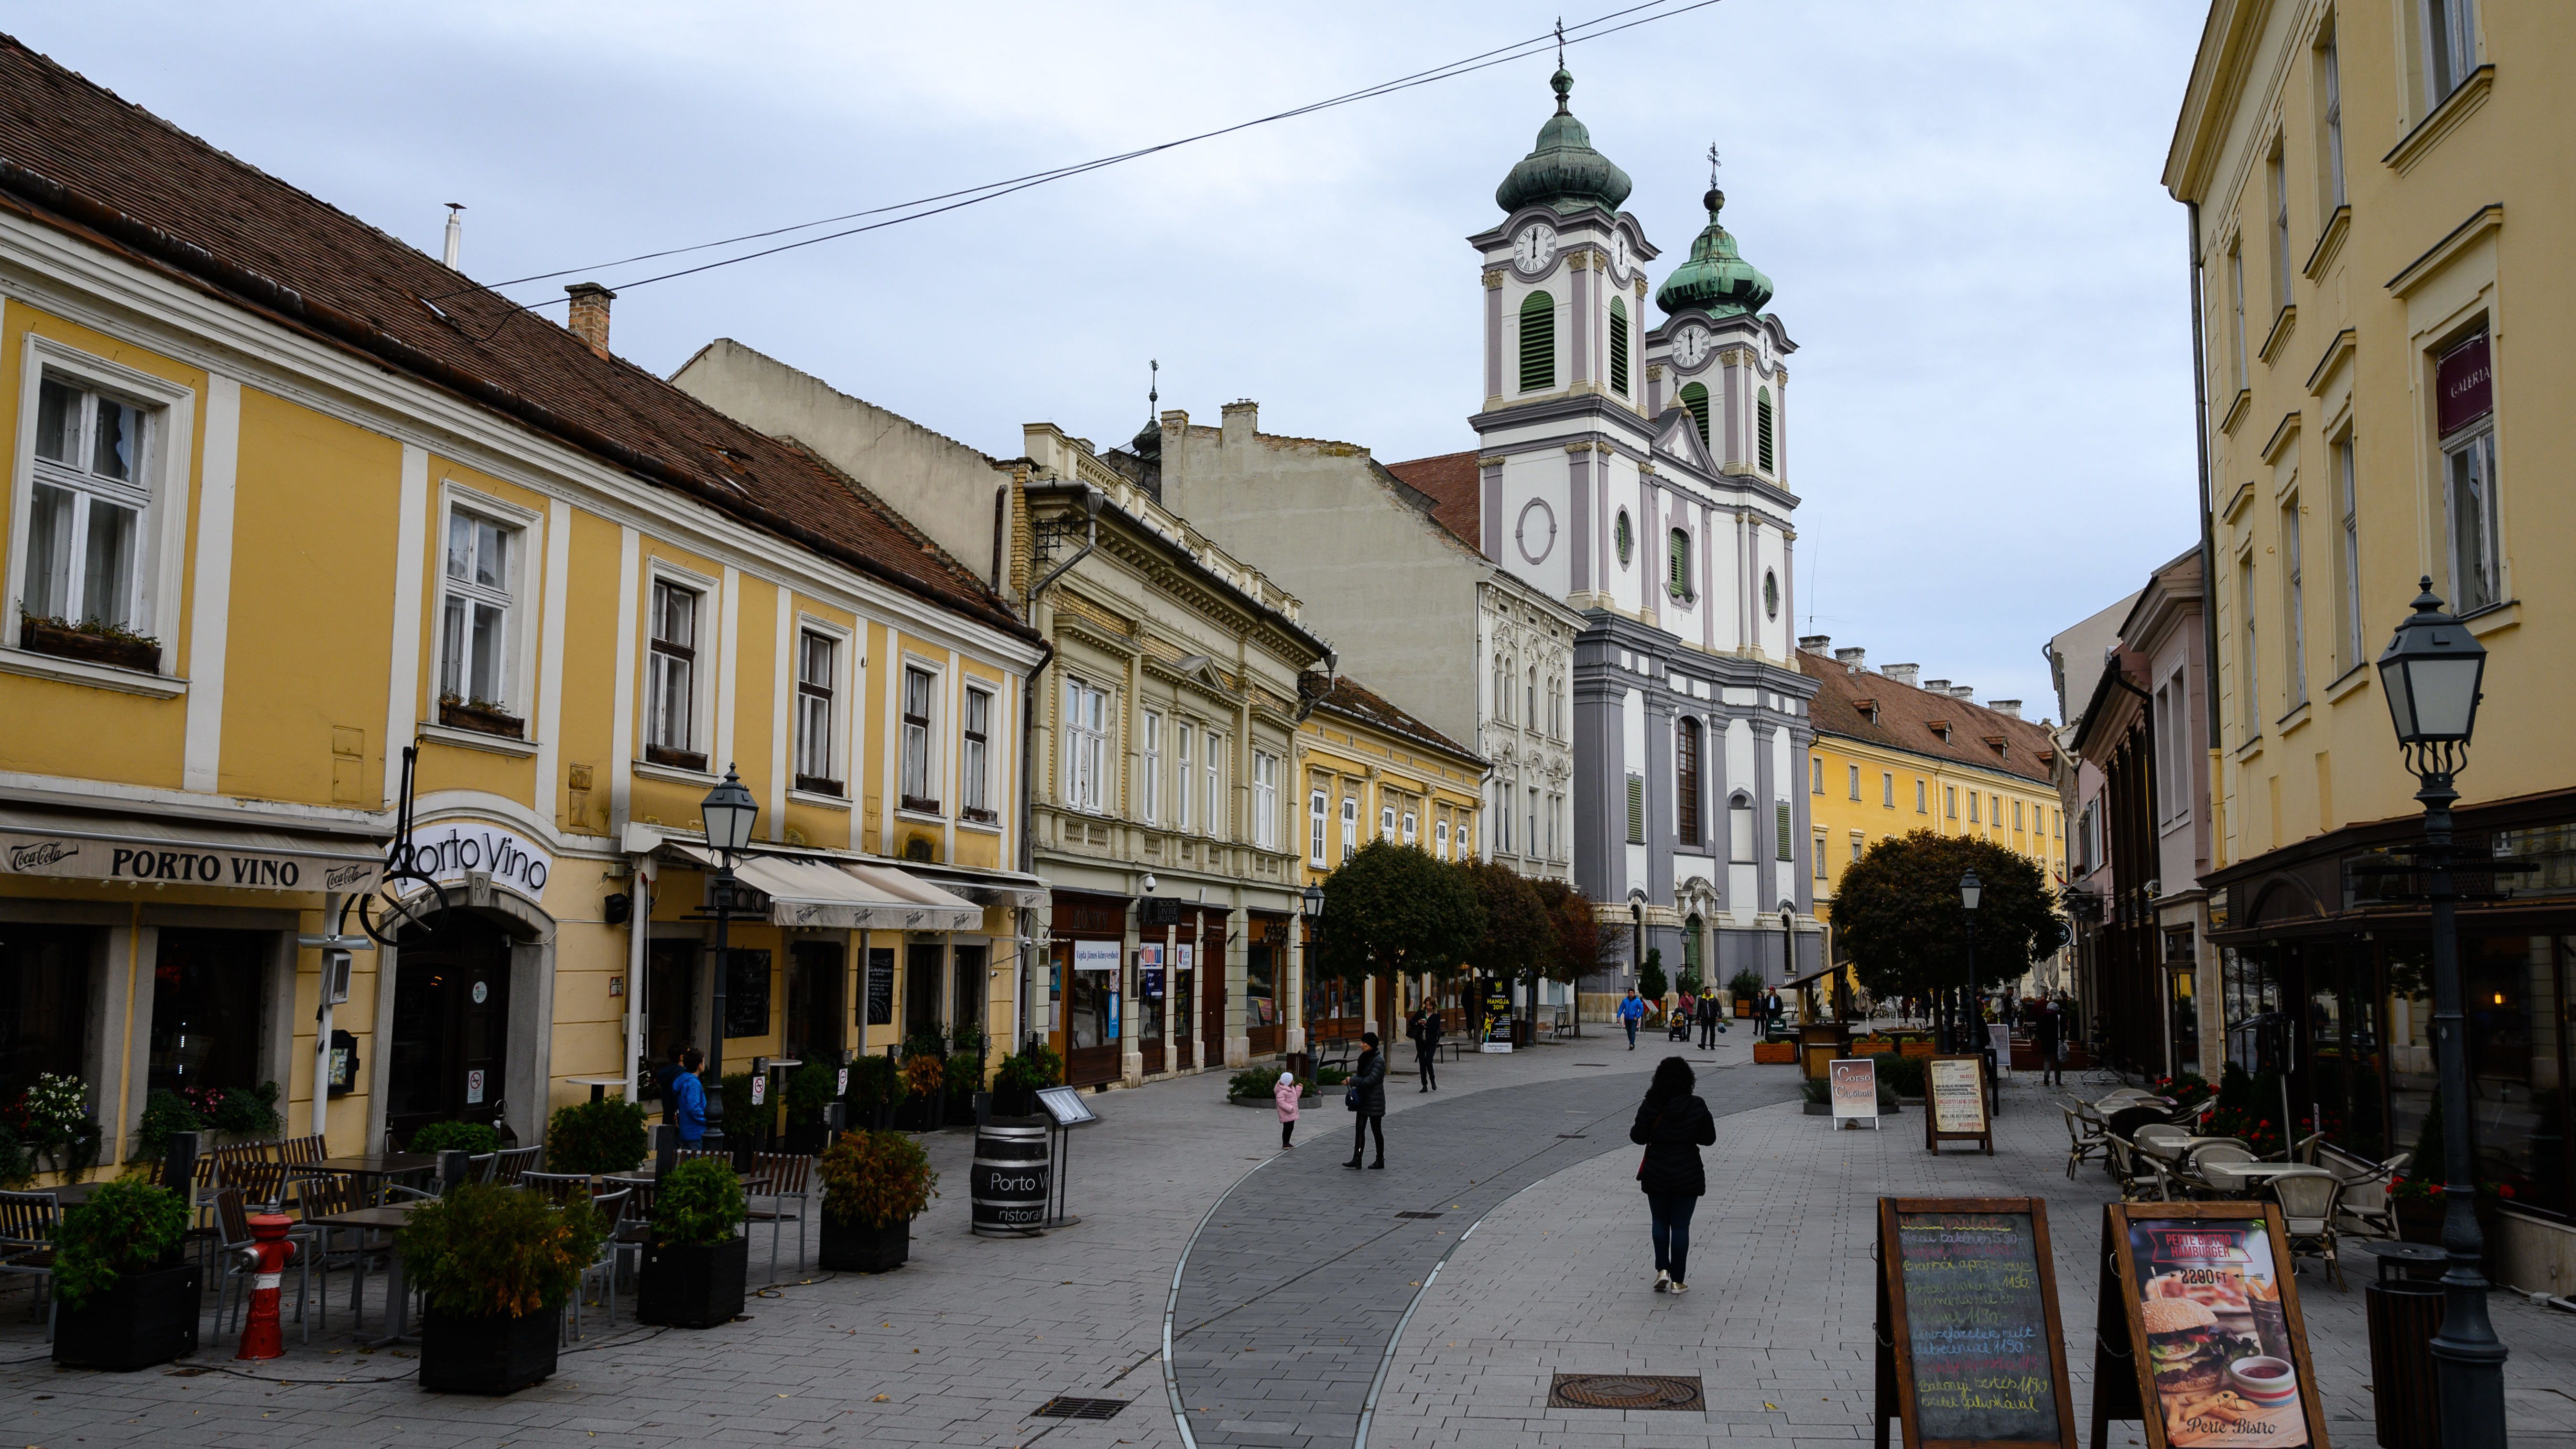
x,y
397,1294
2246,1178
598,1085
379,1167
2175,1149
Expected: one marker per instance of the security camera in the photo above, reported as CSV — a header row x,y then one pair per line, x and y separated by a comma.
x,y
1149,885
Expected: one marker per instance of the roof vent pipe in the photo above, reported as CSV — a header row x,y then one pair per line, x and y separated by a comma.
x,y
453,256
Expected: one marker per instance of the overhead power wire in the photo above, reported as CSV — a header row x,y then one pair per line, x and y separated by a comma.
x,y
928,206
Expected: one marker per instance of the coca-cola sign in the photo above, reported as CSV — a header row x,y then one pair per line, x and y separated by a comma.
x,y
2467,385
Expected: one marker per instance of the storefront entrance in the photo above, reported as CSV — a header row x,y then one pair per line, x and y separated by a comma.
x,y
1211,987
1153,980
450,1039
670,999
1262,1020
1086,962
921,992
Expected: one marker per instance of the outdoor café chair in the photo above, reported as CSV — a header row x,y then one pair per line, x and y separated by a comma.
x,y
2159,1139
2194,1169
2140,1177
511,1163
789,1193
261,1181
557,1188
302,1151
2364,1206
2308,1217
240,1271
480,1166
2085,1139
320,1195
612,1206
27,1224
2306,1151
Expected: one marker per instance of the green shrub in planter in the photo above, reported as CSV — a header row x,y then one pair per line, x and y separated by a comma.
x,y
964,1077
697,1204
875,1083
125,1299
126,1226
493,1266
740,1115
602,1136
1019,1077
475,1137
808,1088
874,1184
1331,1076
695,1265
1905,1074
1261,1083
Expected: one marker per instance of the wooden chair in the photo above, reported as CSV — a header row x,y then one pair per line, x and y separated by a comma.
x,y
303,1151
322,1194
2308,1218
511,1164
788,1192
557,1188
28,1225
260,1180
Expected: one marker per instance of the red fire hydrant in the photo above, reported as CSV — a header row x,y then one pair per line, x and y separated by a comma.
x,y
268,1255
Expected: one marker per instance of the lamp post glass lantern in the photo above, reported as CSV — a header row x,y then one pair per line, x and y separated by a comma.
x,y
728,812
1970,890
2432,671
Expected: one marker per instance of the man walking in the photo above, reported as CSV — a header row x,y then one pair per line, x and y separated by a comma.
x,y
1632,1010
1708,1021
689,1098
2046,1032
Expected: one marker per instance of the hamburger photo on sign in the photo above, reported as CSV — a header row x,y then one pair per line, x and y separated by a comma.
x,y
2216,1339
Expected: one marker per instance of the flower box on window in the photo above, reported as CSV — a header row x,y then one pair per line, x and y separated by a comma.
x,y
676,759
920,806
482,719
98,646
979,817
817,785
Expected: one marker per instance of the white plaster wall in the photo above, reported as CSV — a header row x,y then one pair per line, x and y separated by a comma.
x,y
1632,736
1542,478
1784,872
1742,881
1772,634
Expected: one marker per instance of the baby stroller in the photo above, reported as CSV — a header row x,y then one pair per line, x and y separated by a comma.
x,y
1677,1025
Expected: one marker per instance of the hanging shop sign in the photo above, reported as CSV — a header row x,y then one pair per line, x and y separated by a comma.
x,y
2199,1334
450,851
1969,1347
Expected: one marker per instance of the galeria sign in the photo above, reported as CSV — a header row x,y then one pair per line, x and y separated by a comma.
x,y
450,851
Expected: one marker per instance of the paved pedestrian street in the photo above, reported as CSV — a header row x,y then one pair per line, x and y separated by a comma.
x,y
1304,1299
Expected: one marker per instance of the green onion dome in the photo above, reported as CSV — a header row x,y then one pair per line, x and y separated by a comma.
x,y
1563,171
1715,280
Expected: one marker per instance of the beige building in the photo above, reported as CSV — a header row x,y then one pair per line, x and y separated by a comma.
x,y
2380,203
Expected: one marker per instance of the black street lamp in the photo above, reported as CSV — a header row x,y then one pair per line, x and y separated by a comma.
x,y
1313,901
728,812
1970,889
2431,672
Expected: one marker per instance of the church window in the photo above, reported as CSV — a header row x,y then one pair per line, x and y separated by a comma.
x,y
1695,397
1770,594
1621,535
1618,347
1762,429
1679,551
1538,342
1686,780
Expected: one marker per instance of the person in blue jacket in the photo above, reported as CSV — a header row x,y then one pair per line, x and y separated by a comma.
x,y
1632,1011
689,1098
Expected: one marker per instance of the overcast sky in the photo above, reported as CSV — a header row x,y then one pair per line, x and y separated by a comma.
x,y
1991,415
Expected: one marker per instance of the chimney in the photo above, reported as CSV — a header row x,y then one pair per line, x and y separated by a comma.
x,y
1239,421
453,256
1904,673
1964,691
1937,686
1815,643
2011,707
589,319
1853,661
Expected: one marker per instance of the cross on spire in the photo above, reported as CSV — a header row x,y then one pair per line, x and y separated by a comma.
x,y
1153,388
1560,42
1713,164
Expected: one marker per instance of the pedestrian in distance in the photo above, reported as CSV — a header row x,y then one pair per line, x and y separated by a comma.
x,y
1708,1025
1425,1029
2047,1034
1367,1097
1286,1095
1672,1124
1632,1010
689,1098
662,1078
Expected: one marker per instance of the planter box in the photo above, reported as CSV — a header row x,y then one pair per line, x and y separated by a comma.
x,y
851,1249
482,1354
1775,1053
1915,1049
39,636
693,1286
147,1318
1743,1008
1872,1048
459,716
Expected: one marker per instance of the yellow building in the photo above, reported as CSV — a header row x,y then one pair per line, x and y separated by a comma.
x,y
1892,756
2379,204
288,497
1374,772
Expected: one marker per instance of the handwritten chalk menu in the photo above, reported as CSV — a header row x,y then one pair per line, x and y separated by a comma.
x,y
1954,1090
1969,1346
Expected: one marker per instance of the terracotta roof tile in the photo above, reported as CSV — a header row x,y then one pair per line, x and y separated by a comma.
x,y
1453,483
76,157
1908,719
1351,700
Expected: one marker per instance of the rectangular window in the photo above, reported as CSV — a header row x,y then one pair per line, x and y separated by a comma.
x,y
1555,825
1440,839
1815,777
1214,807
2294,619
1315,813
2469,505
2251,710
920,775
975,758
1887,790
1533,819
1857,841
1919,807
86,513
1350,826
1187,778
1972,807
817,667
1686,780
1386,822
2348,642
1636,808
1739,831
474,616
1151,786
1853,771
1265,800
1816,852
2236,304
1086,745
2450,47
2277,173
2017,825
1411,833
2330,88
1950,799
671,682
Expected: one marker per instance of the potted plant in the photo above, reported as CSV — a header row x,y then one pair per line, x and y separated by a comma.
x,y
494,1266
481,716
51,1122
874,1184
924,1074
1017,1080
1743,989
124,1297
963,1077
808,1090
695,1263
876,1089
1258,1087
602,1136
478,1138
91,639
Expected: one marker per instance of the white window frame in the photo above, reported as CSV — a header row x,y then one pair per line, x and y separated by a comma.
x,y
925,735
2294,606
1852,773
2450,40
1317,811
1184,752
1440,837
826,708
1350,826
2474,446
1386,822
2349,648
1410,835
1150,786
160,534
1887,789
1213,769
975,755
703,664
2330,82
517,596
1086,745
1265,800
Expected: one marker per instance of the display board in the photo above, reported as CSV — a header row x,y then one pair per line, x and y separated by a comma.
x,y
1065,1107
2199,1333
1854,1086
1498,1018
1999,1037
1954,1102
1969,1346
746,992
880,986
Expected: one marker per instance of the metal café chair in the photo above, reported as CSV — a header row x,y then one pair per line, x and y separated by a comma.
x,y
557,1188
2086,1138
260,1181
2194,1167
2308,1218
612,1206
2364,1205
322,1195
789,1194
2161,1140
2141,1178
28,1221
512,1163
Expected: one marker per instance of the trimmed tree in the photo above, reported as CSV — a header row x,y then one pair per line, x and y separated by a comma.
x,y
1578,945
1897,910
1394,910
1514,944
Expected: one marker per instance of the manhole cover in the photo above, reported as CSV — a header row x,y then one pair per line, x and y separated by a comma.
x,y
1417,1215
1063,1408
1625,1391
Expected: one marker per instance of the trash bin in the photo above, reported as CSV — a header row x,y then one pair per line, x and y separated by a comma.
x,y
2405,1312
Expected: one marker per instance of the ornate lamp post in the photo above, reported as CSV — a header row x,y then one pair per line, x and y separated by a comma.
x,y
728,812
2431,672
1313,902
1970,889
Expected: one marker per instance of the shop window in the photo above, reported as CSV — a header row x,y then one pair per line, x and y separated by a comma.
x,y
920,763
671,678
815,979
746,993
921,982
1260,987
44,1003
206,998
818,659
87,507
967,983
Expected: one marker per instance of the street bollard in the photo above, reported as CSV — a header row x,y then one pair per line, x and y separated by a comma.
x,y
666,1148
836,1120
269,1252
455,1165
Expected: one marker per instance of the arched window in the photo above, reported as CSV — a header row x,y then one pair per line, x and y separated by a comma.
x,y
1624,537
1502,689
1618,347
1679,564
1531,717
1538,342
1739,829
1555,708
1761,428
1686,779
1695,397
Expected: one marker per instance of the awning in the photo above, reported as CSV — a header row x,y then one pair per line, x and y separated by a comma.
x,y
831,895
984,887
74,845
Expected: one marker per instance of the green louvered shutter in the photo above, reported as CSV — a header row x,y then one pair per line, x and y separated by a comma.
x,y
1636,808
1783,811
1695,397
1762,428
1618,347
1538,342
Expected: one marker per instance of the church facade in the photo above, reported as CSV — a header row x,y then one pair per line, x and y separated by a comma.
x,y
1639,471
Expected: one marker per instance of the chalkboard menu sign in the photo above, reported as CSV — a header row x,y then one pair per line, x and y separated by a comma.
x,y
880,986
1970,1350
746,993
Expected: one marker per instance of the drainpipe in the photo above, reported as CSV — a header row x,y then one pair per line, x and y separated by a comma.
x,y
2208,525
639,931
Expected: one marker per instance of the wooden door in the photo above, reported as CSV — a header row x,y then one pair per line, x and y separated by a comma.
x,y
450,1038
1211,960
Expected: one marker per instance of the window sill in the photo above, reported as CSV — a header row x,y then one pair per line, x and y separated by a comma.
x,y
2250,750
2346,682
2237,410
477,740
2494,618
980,827
921,817
824,802
672,774
2292,722
2329,242
97,676
2463,101
2284,323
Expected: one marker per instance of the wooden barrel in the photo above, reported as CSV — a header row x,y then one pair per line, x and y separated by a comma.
x,y
1008,1183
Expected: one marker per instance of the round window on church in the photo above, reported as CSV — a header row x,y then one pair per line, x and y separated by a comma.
x,y
1770,594
1623,537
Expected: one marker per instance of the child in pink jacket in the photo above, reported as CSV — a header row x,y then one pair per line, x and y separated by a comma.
x,y
1286,1093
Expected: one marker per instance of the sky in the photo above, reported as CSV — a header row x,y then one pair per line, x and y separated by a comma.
x,y
1989,420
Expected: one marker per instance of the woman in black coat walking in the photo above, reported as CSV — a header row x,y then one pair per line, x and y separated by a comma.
x,y
1367,1096
1673,1124
1425,1031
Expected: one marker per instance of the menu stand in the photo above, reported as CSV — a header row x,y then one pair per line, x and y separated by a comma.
x,y
1065,1110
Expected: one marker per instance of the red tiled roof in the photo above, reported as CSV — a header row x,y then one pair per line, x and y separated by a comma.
x,y
75,157
1454,485
1907,716
1353,701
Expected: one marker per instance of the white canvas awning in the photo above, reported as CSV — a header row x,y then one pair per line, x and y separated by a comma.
x,y
77,845
843,895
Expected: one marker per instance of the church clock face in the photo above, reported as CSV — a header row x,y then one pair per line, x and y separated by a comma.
x,y
1619,255
1534,247
1690,349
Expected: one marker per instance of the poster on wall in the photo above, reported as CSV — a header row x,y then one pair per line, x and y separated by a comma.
x,y
2199,1293
1095,955
746,992
1149,973
1498,1018
880,986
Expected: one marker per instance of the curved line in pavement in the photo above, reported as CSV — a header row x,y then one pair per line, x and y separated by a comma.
x,y
1172,1302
